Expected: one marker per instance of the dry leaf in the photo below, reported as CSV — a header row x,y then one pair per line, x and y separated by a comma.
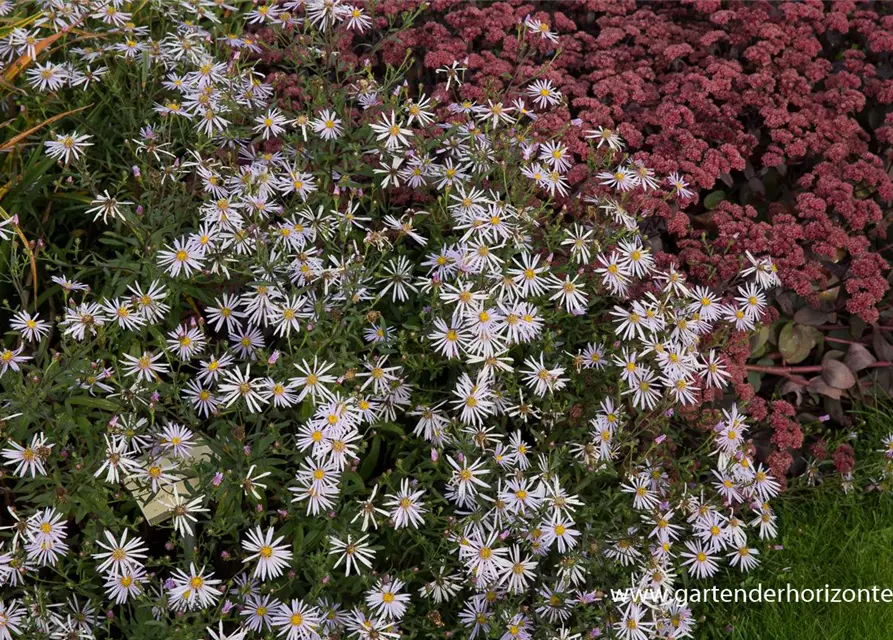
x,y
151,504
9,144
16,67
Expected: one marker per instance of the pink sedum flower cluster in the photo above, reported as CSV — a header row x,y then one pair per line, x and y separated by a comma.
x,y
787,100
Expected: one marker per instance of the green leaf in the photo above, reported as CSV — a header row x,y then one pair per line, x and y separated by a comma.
x,y
796,341
353,483
96,403
393,428
755,379
712,199
312,537
759,340
370,459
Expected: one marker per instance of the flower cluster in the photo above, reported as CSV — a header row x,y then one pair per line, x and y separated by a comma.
x,y
887,468
780,106
352,362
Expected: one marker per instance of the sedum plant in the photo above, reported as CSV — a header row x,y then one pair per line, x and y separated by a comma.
x,y
336,364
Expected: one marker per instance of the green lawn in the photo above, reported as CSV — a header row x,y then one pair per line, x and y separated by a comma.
x,y
845,541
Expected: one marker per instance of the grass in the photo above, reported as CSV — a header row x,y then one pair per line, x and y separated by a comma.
x,y
829,538
844,541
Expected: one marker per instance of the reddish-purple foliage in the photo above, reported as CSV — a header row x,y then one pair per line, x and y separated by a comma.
x,y
789,100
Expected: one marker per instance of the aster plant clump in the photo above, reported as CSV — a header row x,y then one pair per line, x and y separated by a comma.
x,y
779,109
779,114
336,364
